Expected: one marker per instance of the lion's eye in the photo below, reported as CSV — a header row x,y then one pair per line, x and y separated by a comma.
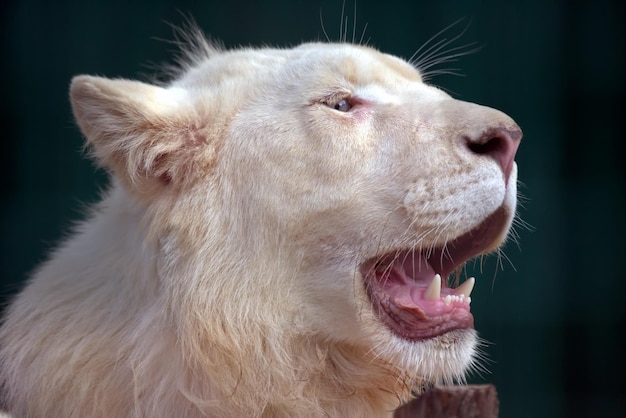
x,y
343,106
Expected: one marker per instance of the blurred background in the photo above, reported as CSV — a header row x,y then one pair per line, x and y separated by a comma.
x,y
552,312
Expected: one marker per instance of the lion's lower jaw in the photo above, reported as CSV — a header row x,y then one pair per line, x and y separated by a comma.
x,y
345,380
379,380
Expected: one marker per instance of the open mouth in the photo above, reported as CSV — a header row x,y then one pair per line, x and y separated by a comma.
x,y
408,288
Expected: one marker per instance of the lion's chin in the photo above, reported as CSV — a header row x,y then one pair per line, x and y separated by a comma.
x,y
444,359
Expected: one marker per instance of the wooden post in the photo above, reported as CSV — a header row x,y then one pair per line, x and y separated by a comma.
x,y
472,401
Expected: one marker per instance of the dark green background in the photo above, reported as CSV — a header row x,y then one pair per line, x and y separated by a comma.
x,y
552,316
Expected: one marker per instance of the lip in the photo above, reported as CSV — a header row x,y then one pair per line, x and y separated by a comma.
x,y
397,282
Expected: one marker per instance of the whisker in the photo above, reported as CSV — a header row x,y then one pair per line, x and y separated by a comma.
x,y
523,224
323,28
434,61
514,235
342,32
438,52
495,272
354,23
481,264
434,37
363,35
442,71
481,358
506,257
440,57
435,52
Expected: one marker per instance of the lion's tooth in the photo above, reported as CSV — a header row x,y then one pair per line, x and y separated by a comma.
x,y
434,289
466,287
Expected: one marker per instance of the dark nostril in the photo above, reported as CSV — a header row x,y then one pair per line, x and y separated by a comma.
x,y
500,144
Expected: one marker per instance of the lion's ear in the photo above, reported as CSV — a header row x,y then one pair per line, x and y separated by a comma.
x,y
150,137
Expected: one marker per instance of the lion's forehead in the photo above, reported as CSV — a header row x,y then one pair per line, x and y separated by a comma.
x,y
374,73
358,63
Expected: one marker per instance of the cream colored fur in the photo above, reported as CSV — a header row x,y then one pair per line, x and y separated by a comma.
x,y
219,275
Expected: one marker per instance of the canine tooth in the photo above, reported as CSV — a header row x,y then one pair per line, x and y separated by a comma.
x,y
466,287
434,289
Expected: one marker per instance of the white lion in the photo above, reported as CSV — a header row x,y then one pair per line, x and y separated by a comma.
x,y
276,242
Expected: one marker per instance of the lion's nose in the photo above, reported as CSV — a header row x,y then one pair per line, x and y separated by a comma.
x,y
498,143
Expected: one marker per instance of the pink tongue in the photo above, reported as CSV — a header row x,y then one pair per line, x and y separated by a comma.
x,y
411,299
406,282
